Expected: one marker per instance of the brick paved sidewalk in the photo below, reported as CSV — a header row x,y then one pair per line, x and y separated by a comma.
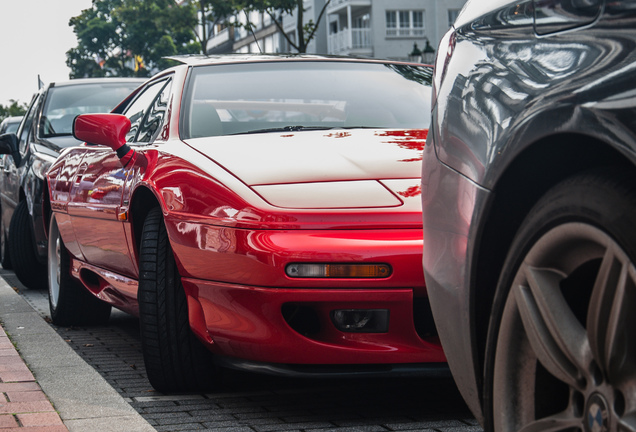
x,y
23,405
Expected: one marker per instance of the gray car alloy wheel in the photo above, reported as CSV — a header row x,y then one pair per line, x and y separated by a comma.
x,y
570,360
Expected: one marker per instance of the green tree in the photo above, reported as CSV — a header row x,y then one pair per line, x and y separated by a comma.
x,y
211,13
305,30
13,109
131,37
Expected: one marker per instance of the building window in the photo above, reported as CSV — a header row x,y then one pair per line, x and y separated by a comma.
x,y
269,44
362,21
287,48
405,23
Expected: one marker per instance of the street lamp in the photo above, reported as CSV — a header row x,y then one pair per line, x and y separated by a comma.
x,y
416,55
428,55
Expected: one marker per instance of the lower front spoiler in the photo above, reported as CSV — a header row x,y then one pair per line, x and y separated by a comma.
x,y
295,326
412,370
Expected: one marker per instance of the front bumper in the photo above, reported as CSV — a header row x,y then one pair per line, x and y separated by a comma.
x,y
451,203
257,324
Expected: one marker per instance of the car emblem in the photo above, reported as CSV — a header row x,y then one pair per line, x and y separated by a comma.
x,y
597,414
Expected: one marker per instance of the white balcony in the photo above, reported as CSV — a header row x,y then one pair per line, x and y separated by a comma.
x,y
218,39
338,5
354,41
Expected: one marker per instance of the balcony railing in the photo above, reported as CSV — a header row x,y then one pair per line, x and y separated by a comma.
x,y
348,40
405,32
218,39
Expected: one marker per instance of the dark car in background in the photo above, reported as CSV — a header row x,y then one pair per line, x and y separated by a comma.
x,y
45,131
529,208
10,124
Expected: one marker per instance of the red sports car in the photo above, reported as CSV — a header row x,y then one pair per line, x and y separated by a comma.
x,y
259,213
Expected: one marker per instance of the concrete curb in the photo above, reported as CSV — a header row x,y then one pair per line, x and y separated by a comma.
x,y
84,400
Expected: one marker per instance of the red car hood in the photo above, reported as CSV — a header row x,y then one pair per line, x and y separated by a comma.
x,y
323,169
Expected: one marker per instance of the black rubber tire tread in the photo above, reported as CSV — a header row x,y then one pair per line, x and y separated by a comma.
x,y
5,255
76,306
602,197
175,360
29,270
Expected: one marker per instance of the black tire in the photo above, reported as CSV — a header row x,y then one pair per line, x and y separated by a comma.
x,y
26,265
175,360
70,303
5,256
561,348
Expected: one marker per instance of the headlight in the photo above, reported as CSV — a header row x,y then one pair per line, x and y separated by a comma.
x,y
41,164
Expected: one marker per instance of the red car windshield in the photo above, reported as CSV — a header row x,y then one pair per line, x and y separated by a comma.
x,y
280,96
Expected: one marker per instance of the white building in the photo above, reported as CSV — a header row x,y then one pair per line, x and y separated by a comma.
x,y
388,28
371,28
266,36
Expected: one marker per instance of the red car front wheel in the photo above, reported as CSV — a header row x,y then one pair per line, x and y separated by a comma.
x,y
175,360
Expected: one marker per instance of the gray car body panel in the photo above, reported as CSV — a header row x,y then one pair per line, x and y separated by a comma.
x,y
505,90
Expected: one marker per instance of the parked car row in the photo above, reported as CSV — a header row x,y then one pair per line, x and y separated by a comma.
x,y
265,213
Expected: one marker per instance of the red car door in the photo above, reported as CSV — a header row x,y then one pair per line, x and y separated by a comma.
x,y
95,207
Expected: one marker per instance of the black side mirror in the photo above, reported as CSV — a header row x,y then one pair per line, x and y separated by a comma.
x,y
9,145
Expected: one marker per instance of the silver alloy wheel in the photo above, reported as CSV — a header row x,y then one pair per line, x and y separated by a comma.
x,y
566,349
54,261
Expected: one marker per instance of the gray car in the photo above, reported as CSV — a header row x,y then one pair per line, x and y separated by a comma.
x,y
10,124
529,199
41,136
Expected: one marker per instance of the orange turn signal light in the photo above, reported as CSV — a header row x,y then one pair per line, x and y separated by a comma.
x,y
338,271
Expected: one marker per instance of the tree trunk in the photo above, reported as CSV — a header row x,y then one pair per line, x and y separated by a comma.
x,y
302,48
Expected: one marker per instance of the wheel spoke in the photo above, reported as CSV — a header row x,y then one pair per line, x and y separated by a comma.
x,y
558,422
610,323
627,423
557,337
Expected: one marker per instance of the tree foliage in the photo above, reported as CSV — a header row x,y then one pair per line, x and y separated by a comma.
x,y
211,12
131,37
305,30
13,109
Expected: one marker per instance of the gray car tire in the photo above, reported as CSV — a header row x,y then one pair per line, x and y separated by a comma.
x,y
561,349
5,255
24,259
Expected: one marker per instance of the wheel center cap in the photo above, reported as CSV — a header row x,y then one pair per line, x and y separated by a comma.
x,y
597,414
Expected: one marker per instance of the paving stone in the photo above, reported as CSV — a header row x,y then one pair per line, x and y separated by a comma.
x,y
25,407
19,386
366,428
181,427
229,429
26,396
8,421
39,419
292,426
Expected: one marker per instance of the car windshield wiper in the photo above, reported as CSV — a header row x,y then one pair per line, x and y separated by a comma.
x,y
295,128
